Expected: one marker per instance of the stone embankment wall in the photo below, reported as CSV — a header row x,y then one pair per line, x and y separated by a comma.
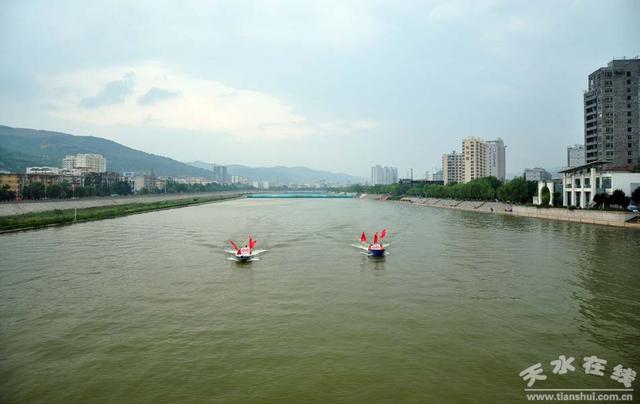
x,y
609,218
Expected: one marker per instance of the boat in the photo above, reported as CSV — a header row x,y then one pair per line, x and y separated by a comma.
x,y
246,253
375,249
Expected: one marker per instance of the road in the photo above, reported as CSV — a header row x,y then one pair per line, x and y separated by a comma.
x,y
17,208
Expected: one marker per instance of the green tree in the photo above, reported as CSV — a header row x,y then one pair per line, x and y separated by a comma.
x,y
34,190
6,194
619,198
635,195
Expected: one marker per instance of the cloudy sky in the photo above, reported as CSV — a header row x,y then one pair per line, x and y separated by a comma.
x,y
337,85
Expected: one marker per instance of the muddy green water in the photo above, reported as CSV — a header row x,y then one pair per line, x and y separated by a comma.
x,y
148,309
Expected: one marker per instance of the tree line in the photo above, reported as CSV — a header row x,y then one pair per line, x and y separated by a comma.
x,y
517,190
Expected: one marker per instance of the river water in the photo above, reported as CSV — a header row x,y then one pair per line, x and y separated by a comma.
x,y
147,308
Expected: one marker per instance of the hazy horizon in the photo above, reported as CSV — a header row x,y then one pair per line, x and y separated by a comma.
x,y
337,86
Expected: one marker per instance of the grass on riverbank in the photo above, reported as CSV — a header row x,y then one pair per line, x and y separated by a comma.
x,y
68,216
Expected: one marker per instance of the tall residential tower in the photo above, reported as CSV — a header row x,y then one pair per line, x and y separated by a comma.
x,y
612,113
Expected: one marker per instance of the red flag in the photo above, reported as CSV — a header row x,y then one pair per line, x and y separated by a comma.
x,y
234,245
252,242
375,238
363,238
383,234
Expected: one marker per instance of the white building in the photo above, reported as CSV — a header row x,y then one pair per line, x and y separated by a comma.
x,y
384,175
576,156
479,158
497,159
43,170
582,183
452,167
90,163
142,181
261,184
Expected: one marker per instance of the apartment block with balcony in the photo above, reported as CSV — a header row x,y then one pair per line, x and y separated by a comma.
x,y
612,114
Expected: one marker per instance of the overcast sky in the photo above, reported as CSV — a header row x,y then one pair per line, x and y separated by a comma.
x,y
337,85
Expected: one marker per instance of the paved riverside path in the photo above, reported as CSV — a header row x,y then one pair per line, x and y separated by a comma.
x,y
17,208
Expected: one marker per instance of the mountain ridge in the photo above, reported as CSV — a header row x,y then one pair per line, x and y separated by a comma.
x,y
24,147
283,174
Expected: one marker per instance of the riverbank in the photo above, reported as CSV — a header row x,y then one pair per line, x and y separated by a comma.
x,y
18,208
58,217
607,218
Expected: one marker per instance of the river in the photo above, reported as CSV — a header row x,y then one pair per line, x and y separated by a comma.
x,y
147,308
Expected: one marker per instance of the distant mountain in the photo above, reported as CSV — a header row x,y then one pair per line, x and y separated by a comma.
x,y
284,175
21,148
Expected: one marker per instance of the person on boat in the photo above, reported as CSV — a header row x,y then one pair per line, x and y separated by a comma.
x,y
245,250
376,248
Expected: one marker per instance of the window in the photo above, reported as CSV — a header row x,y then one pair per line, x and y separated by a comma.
x,y
628,113
628,97
577,182
628,74
628,129
598,182
628,81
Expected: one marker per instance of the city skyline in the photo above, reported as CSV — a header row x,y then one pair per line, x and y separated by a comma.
x,y
336,86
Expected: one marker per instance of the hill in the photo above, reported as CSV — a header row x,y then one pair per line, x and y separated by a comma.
x,y
21,148
284,175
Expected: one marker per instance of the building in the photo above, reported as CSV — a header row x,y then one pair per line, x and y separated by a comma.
x,y
476,158
536,174
479,158
12,180
236,179
260,184
220,174
453,167
582,183
612,114
141,182
87,163
497,164
43,170
576,156
384,175
436,176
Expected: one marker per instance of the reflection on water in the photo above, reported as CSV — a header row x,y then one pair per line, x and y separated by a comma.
x,y
146,308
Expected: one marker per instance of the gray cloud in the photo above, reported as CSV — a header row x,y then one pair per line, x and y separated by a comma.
x,y
114,92
156,94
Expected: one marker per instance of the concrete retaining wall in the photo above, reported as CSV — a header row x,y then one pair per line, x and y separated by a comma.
x,y
608,218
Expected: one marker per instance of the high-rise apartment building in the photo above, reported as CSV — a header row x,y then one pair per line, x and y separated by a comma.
x,y
384,175
612,113
496,159
476,158
453,167
575,156
90,163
